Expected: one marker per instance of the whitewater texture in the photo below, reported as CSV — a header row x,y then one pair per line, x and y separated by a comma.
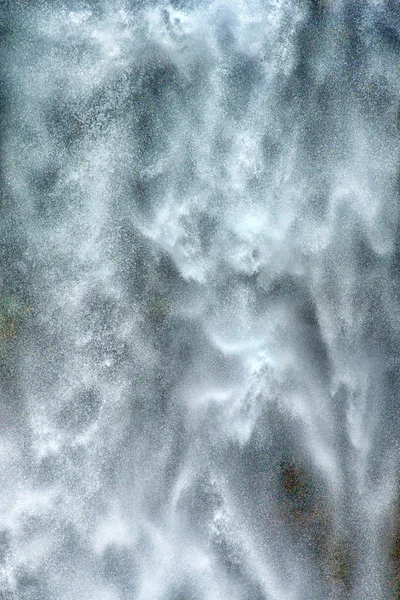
x,y
199,300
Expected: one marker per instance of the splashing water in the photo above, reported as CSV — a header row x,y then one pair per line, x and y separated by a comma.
x,y
199,300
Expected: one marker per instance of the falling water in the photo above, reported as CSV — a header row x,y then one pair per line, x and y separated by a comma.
x,y
199,300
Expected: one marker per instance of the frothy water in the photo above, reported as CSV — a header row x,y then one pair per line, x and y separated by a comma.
x,y
199,300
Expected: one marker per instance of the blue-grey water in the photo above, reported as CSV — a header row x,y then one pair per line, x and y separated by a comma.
x,y
199,300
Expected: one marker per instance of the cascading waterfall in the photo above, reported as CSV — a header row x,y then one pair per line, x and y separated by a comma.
x,y
199,300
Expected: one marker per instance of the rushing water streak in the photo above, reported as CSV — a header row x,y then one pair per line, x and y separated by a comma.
x,y
199,300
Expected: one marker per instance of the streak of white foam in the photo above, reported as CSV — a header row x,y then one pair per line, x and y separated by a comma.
x,y
114,530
